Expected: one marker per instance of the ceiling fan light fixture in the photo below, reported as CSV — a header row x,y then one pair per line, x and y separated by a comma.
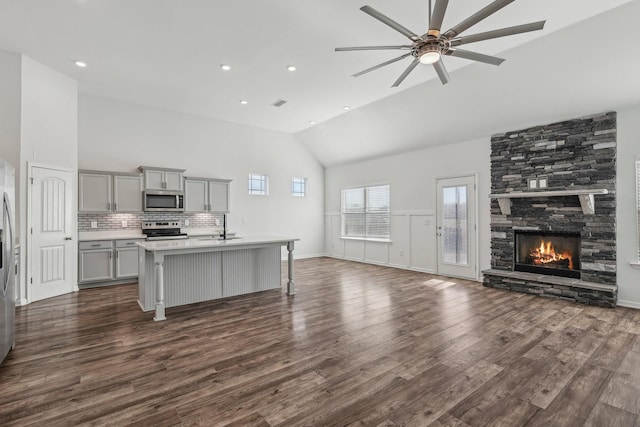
x,y
430,57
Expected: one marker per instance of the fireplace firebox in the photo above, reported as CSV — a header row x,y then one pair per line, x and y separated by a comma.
x,y
552,253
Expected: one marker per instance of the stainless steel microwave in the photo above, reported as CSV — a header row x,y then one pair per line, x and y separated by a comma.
x,y
163,201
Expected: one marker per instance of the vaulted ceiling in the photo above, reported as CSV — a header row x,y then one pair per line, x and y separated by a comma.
x,y
167,54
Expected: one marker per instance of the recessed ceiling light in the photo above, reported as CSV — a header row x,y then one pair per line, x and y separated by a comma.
x,y
243,102
291,67
346,107
312,122
225,67
81,64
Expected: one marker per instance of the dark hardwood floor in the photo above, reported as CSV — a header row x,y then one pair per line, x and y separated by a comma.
x,y
358,345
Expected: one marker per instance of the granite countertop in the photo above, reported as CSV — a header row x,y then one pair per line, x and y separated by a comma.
x,y
186,244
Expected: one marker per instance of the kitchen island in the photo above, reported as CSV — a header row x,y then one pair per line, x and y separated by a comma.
x,y
179,272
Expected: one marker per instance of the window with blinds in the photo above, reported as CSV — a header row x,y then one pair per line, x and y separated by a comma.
x,y
366,213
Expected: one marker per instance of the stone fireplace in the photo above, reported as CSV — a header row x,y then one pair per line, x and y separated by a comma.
x,y
553,210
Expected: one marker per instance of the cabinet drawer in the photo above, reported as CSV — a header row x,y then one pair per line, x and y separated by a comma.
x,y
128,243
96,244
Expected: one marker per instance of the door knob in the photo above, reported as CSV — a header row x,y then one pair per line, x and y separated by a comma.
x,y
438,234
67,238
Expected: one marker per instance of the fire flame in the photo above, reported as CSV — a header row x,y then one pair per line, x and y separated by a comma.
x,y
546,253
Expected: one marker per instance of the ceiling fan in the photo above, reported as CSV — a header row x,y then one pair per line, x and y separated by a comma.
x,y
431,46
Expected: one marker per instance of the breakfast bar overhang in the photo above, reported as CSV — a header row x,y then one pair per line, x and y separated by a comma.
x,y
180,272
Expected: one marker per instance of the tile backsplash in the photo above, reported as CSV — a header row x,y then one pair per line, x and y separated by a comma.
x,y
113,221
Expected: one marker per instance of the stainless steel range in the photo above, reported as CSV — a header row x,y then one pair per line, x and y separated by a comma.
x,y
163,230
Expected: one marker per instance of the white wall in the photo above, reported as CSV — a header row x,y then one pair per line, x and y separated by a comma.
x,y
10,76
627,242
10,70
411,177
121,136
49,126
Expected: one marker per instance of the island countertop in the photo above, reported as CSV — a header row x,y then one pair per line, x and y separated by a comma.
x,y
187,244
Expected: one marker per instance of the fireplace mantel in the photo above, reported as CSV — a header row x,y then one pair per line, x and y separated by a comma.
x,y
586,196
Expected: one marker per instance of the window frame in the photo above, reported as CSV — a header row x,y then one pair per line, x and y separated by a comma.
x,y
365,214
262,178
303,182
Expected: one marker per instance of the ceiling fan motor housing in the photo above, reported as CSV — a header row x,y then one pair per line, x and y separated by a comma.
x,y
431,44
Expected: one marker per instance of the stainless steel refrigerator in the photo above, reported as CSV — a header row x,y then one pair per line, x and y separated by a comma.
x,y
7,263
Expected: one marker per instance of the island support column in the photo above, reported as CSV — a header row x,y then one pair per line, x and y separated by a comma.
x,y
291,287
158,260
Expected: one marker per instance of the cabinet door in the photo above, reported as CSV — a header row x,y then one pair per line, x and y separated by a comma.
x,y
96,265
195,195
94,192
127,193
219,196
173,180
126,262
153,180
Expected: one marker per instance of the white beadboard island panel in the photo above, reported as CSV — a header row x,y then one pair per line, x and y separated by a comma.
x,y
201,270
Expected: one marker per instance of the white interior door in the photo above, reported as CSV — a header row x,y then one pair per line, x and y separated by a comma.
x,y
52,250
456,227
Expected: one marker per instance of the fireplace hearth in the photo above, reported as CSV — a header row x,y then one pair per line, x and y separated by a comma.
x,y
556,254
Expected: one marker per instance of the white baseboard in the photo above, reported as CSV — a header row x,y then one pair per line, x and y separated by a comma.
x,y
400,267
21,302
629,304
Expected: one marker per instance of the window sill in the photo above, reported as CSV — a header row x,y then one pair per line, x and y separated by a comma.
x,y
367,239
635,264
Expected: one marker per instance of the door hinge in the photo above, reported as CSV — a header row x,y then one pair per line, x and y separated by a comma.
x,y
31,179
31,280
31,230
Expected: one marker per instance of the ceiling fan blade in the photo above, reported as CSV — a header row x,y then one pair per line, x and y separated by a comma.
x,y
474,56
375,67
442,71
518,29
343,49
438,14
477,17
406,72
390,22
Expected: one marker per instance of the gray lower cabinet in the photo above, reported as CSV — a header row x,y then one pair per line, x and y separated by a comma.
x,y
107,260
95,261
126,262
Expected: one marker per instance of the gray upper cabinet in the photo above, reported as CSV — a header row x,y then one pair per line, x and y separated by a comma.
x,y
127,193
94,192
109,192
195,194
219,196
162,178
206,195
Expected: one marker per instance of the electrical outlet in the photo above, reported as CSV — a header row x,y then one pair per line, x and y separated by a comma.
x,y
124,224
186,222
401,253
94,224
